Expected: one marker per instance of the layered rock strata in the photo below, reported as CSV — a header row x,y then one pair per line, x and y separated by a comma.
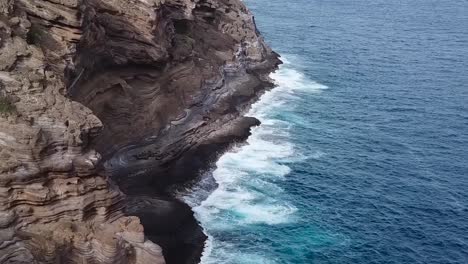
x,y
106,104
54,206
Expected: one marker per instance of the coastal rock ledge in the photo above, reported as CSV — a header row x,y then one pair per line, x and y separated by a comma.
x,y
104,105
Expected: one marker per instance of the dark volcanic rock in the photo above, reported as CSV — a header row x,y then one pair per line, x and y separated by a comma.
x,y
170,224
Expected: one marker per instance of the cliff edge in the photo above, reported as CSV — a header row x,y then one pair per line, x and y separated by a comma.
x,y
103,105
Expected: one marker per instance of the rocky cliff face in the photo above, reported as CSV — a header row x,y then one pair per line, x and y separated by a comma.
x,y
103,104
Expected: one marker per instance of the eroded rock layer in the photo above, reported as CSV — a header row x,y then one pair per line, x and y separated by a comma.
x,y
54,207
169,82
99,97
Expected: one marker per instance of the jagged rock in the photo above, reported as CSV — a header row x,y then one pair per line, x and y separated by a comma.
x,y
117,95
54,207
180,89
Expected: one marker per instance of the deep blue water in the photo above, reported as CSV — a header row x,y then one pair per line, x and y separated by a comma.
x,y
362,156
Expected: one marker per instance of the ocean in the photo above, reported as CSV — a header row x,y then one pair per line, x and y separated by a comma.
x,y
362,155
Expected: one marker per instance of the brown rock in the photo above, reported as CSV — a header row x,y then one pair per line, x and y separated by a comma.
x,y
52,201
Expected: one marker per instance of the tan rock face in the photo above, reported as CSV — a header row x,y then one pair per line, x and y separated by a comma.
x,y
143,92
54,207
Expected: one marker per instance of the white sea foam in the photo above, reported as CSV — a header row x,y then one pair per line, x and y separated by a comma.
x,y
248,192
293,80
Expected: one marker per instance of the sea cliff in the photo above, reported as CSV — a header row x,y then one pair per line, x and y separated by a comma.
x,y
106,104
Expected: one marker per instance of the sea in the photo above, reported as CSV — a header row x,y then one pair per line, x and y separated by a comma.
x,y
362,155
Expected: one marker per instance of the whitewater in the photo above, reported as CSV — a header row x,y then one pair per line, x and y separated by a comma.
x,y
249,176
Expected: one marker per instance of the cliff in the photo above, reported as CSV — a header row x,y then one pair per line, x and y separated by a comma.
x,y
103,105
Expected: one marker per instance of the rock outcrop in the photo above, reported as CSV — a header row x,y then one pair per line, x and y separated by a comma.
x,y
54,206
103,105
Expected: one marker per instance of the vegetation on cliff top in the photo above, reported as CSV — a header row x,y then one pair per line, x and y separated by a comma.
x,y
6,107
35,35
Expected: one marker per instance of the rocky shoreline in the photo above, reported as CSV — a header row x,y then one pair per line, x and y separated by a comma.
x,y
113,102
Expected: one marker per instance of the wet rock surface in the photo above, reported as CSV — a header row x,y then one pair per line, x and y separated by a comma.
x,y
107,104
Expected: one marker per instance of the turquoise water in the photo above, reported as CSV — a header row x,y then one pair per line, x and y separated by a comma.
x,y
362,155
